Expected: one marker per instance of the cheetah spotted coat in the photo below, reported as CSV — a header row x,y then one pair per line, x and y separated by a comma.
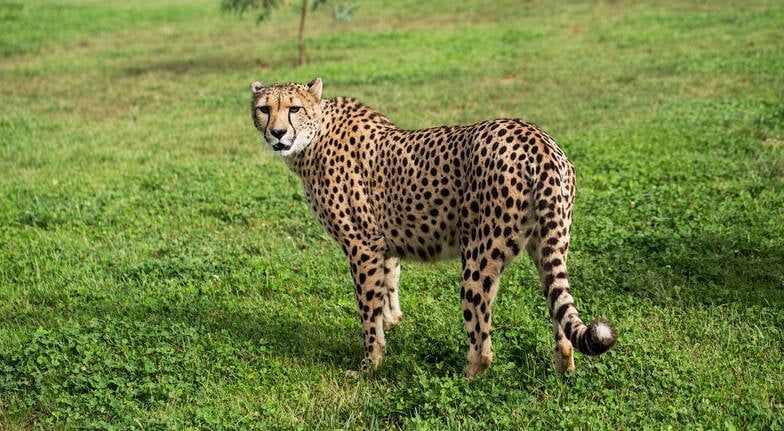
x,y
483,192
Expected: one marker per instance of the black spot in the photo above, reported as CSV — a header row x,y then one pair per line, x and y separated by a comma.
x,y
487,284
512,244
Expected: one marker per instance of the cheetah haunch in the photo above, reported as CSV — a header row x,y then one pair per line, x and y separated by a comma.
x,y
483,192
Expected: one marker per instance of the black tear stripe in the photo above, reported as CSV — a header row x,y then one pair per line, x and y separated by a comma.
x,y
266,127
293,129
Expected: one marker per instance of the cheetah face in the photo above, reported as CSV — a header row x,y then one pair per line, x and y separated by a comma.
x,y
288,116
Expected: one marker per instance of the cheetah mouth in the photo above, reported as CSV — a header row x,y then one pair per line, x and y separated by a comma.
x,y
280,146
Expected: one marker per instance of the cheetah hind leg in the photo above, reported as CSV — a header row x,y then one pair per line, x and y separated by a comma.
x,y
563,353
391,308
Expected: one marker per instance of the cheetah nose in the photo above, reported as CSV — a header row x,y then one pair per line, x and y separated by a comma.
x,y
278,133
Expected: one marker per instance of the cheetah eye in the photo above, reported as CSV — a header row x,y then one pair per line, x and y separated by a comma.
x,y
294,109
264,109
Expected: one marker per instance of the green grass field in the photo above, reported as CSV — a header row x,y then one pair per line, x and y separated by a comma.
x,y
159,268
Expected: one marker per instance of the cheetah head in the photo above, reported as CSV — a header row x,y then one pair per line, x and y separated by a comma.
x,y
287,115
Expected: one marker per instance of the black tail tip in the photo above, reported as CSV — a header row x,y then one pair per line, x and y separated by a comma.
x,y
601,337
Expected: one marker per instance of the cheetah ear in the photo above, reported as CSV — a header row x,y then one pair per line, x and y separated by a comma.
x,y
256,87
315,87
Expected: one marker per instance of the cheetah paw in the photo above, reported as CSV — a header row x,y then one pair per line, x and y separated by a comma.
x,y
392,321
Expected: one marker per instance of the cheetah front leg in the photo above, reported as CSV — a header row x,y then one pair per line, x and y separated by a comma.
x,y
367,269
392,314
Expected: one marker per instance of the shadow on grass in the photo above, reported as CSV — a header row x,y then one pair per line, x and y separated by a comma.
x,y
287,336
710,269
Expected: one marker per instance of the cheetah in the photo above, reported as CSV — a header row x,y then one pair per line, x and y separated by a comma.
x,y
483,192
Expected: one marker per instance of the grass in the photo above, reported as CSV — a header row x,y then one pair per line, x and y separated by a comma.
x,y
160,270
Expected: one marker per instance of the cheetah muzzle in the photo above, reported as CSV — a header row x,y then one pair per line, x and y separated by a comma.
x,y
485,191
281,147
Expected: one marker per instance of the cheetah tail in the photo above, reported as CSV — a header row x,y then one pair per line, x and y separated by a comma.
x,y
594,339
